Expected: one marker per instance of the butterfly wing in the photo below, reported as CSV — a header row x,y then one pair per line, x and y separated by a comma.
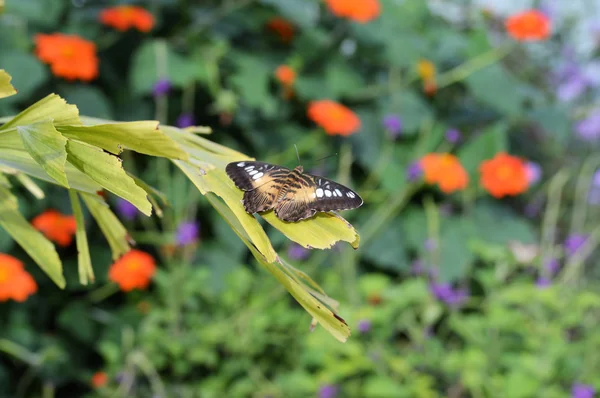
x,y
330,196
261,181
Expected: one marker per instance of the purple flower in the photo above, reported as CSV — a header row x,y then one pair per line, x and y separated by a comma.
x,y
534,172
364,326
297,252
594,195
161,87
574,242
453,136
430,245
414,171
588,129
393,124
543,282
448,294
552,265
126,209
328,391
187,233
185,120
582,391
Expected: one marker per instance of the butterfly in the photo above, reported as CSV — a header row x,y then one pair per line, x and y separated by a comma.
x,y
293,194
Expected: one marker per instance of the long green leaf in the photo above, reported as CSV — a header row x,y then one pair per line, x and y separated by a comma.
x,y
6,89
47,147
114,232
143,137
51,107
106,170
84,261
40,249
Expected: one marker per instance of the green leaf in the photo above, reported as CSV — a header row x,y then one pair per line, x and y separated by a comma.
x,y
89,100
341,80
106,170
497,88
252,82
305,13
51,107
6,89
114,232
42,12
27,72
387,250
555,122
84,261
413,110
143,137
483,147
40,249
47,147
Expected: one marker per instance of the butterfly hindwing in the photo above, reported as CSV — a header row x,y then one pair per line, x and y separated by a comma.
x,y
247,175
330,196
294,202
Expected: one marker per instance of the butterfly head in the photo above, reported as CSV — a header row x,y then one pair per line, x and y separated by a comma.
x,y
299,169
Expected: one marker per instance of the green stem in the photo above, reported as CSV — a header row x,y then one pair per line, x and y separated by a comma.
x,y
582,191
19,352
573,268
103,292
552,213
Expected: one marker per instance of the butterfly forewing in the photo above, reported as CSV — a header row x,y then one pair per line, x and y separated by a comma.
x,y
248,175
330,196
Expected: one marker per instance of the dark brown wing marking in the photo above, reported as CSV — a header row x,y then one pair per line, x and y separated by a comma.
x,y
293,203
329,195
248,175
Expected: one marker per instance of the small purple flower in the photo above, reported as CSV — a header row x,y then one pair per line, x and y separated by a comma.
x,y
582,391
393,124
574,242
126,209
453,136
534,172
430,245
297,252
185,120
364,326
588,129
161,87
417,267
449,295
552,265
187,233
572,87
594,194
328,391
543,282
414,171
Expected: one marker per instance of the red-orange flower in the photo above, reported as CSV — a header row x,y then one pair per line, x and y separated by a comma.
x,y
357,10
333,117
127,17
69,56
133,271
282,28
285,75
56,226
529,25
427,72
15,282
99,379
504,175
445,170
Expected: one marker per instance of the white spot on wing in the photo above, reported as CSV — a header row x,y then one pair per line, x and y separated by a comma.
x,y
249,168
338,193
328,193
319,193
252,172
241,164
350,194
257,176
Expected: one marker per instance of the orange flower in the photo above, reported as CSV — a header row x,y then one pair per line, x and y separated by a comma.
x,y
333,117
99,379
15,282
127,17
445,170
285,75
357,10
283,28
426,71
69,56
133,271
504,175
529,25
56,226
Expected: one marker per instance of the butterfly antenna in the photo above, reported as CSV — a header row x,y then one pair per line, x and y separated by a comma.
x,y
326,157
297,154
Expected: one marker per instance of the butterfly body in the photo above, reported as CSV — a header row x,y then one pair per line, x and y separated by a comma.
x,y
292,194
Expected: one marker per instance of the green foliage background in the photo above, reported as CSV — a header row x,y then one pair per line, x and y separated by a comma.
x,y
213,323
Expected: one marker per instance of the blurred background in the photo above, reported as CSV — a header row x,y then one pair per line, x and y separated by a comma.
x,y
470,129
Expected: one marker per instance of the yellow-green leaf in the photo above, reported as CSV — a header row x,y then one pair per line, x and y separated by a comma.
x,y
6,89
114,232
84,261
51,107
40,249
4,180
106,170
47,147
21,160
143,137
